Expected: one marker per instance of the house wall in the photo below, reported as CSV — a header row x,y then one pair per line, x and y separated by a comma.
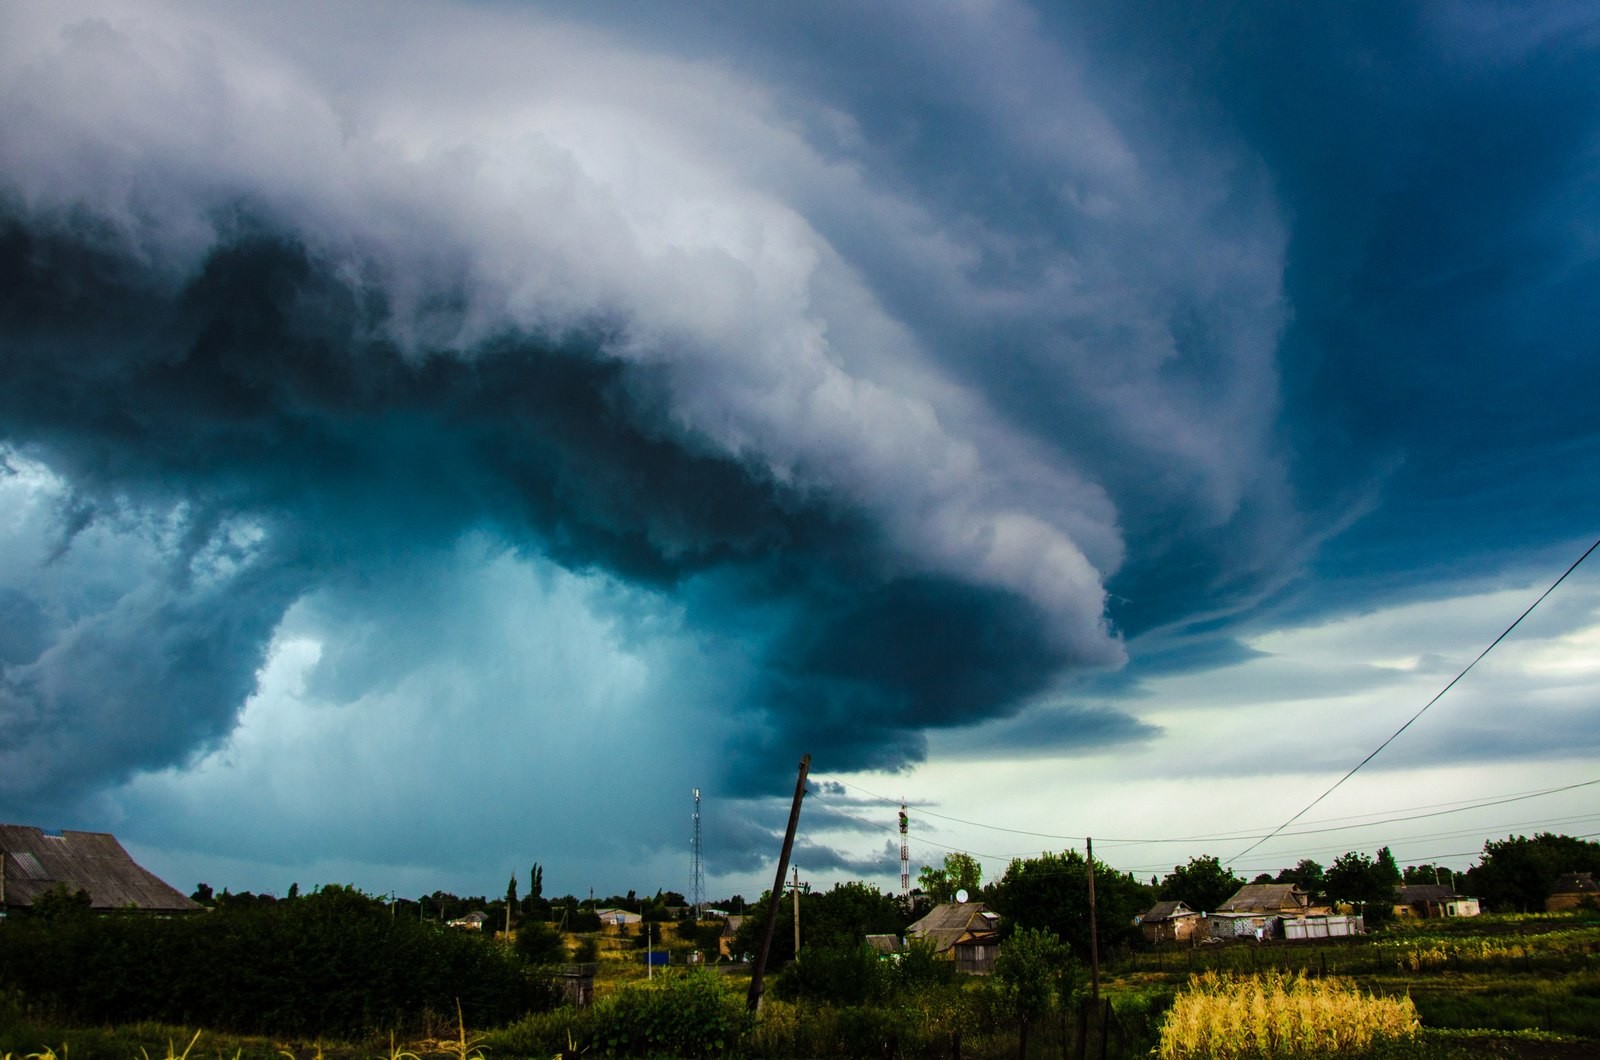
x,y
1173,929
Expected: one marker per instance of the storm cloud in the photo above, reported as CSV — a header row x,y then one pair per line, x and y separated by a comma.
x,y
830,380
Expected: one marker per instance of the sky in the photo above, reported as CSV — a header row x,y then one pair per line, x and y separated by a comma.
x,y
438,438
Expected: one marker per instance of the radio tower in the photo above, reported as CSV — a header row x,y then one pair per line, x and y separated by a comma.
x,y
905,855
698,870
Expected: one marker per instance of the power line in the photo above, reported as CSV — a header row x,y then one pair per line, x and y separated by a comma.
x,y
1462,806
1379,749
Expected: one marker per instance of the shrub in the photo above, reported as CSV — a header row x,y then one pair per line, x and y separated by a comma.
x,y
693,1014
539,943
1273,1015
334,963
843,975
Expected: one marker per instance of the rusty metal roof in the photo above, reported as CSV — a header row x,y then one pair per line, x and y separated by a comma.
x,y
34,861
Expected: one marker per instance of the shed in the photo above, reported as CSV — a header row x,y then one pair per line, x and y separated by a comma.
x,y
32,861
1321,927
618,917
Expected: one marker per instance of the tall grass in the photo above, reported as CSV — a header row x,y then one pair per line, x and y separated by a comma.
x,y
1274,1015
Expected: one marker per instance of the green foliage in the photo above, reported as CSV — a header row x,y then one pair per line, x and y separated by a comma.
x,y
1518,873
708,937
694,1014
61,903
1202,885
539,943
920,968
1306,875
331,963
960,872
1365,882
1034,971
840,975
587,950
1051,891
839,917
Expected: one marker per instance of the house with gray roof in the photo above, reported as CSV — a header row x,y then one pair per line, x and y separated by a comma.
x,y
33,861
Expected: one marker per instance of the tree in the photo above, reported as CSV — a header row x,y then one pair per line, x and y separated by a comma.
x,y
1051,892
1033,970
203,895
539,943
1306,875
1202,885
1367,883
960,872
1519,873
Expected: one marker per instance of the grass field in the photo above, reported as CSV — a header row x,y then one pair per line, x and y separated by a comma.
x,y
1521,986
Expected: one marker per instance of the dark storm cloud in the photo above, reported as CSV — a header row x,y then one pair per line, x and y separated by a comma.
x,y
917,370
259,389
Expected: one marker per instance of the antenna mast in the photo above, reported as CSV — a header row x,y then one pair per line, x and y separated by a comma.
x,y
905,854
698,869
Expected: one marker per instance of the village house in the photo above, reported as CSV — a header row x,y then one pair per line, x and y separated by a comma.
x,y
33,861
1432,900
1260,911
965,932
1573,890
1170,922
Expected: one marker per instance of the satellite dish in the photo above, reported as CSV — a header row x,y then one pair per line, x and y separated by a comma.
x,y
961,895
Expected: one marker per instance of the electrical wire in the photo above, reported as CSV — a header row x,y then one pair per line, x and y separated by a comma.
x,y
1396,734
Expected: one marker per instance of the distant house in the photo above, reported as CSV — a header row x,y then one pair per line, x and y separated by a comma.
x,y
470,922
618,917
33,861
1259,911
1432,900
730,931
1573,890
965,932
1169,922
883,945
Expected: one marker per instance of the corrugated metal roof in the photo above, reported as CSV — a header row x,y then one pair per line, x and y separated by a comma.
x,y
95,862
1265,898
946,924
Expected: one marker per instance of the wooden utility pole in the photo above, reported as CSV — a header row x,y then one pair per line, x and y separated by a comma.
x,y
797,910
1094,934
758,973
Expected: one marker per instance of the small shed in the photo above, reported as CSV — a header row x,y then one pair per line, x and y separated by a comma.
x,y
33,861
730,931
1321,927
1573,890
1169,922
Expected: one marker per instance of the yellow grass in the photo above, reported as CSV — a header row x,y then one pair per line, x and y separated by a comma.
x,y
1275,1015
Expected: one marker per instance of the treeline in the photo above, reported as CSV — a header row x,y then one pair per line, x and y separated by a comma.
x,y
335,962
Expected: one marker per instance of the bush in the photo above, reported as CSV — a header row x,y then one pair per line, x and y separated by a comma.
x,y
539,943
334,963
843,975
693,1014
